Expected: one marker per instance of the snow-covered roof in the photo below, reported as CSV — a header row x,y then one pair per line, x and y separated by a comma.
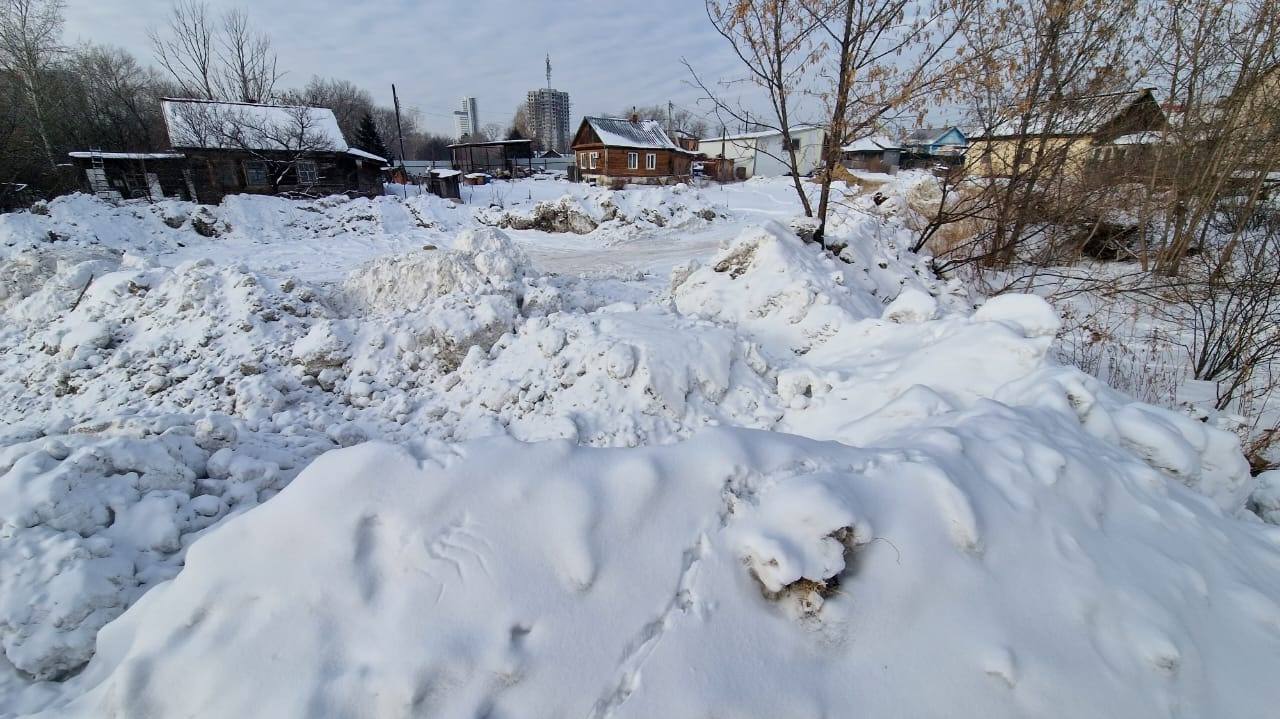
x,y
759,133
366,155
474,175
1072,116
928,135
874,143
82,154
214,125
442,172
621,132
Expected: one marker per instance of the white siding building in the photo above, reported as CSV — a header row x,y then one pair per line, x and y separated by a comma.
x,y
762,153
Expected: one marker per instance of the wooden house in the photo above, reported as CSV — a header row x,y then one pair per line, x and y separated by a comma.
x,y
933,148
234,147
615,151
1070,129
500,158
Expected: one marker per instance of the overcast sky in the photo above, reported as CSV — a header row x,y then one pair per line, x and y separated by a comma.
x,y
607,54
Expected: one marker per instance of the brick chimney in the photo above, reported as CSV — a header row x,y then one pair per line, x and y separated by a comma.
x,y
635,116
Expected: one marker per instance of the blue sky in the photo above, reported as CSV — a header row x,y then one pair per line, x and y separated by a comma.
x,y
607,54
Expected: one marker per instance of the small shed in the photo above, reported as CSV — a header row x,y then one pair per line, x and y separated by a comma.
x,y
443,182
475,178
876,153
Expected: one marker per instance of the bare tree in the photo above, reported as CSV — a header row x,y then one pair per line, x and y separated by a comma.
x,y
216,60
1220,64
30,43
116,100
349,102
187,53
248,62
887,57
773,39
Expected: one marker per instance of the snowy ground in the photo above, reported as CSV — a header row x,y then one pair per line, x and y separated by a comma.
x,y
588,453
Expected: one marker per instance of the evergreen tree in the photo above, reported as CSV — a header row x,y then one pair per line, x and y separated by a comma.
x,y
368,138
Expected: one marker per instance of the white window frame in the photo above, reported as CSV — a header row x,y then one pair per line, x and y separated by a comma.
x,y
249,173
593,157
633,160
582,160
651,161
308,172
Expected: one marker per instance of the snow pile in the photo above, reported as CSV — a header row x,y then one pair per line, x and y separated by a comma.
x,y
482,261
851,369
457,299
172,339
149,410
793,296
95,514
505,579
622,376
582,213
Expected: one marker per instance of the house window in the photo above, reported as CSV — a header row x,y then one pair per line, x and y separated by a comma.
x,y
307,173
255,172
633,160
594,156
582,160
795,143
650,161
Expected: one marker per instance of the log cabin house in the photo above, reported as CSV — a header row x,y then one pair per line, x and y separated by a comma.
x,y
224,148
237,147
614,151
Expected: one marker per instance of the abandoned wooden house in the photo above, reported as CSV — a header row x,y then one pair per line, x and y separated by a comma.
x,y
500,158
234,147
223,148
615,151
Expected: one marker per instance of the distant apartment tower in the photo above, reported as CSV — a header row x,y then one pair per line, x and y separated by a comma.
x,y
548,112
466,121
549,118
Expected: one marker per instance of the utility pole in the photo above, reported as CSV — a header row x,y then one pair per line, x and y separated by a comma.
x,y
670,127
395,100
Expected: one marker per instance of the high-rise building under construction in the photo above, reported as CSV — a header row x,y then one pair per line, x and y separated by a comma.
x,y
548,111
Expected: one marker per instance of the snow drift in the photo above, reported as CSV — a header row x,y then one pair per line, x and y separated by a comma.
x,y
503,579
